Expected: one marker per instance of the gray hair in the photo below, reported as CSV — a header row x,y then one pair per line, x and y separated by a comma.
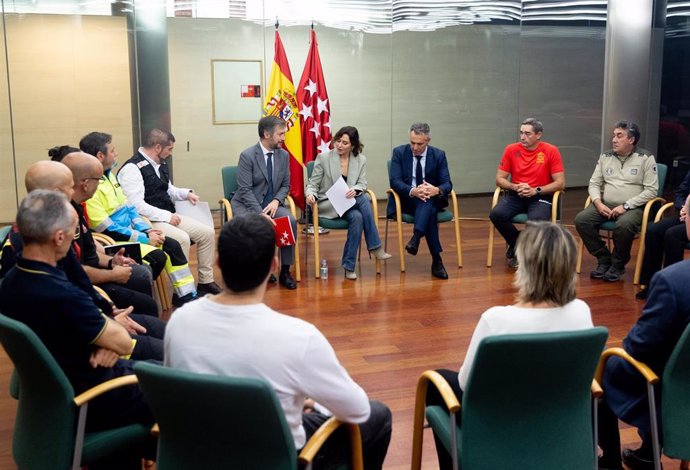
x,y
420,128
42,213
547,257
537,126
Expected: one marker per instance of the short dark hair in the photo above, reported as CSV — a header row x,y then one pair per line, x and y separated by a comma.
x,y
95,142
269,124
158,136
632,128
58,152
353,134
536,124
246,247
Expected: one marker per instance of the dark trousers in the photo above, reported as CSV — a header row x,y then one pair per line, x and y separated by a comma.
x,y
150,344
434,398
123,297
424,213
610,439
664,245
536,207
156,260
376,435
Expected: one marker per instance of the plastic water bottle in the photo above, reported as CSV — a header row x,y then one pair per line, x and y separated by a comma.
x,y
324,269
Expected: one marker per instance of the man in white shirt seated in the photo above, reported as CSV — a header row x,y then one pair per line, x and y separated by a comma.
x,y
235,334
145,180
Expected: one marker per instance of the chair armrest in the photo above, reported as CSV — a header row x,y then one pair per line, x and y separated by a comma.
x,y
396,198
497,194
588,201
102,293
225,205
429,376
648,207
660,213
641,367
291,205
597,391
102,238
100,389
322,434
374,205
556,204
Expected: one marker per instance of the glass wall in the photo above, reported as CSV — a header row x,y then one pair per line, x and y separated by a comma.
x,y
472,69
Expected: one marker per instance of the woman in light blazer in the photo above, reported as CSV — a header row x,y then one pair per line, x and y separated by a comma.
x,y
346,161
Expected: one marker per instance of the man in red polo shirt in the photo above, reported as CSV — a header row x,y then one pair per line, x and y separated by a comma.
x,y
531,171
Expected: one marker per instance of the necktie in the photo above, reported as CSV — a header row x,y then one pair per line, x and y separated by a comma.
x,y
419,173
269,171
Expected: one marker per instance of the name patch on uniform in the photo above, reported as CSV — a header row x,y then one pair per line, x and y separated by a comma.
x,y
633,171
142,164
609,171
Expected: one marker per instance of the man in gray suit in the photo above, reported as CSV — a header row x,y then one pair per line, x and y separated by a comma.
x,y
263,180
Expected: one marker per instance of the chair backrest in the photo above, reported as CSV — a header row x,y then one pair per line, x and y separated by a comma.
x,y
675,401
310,168
229,175
210,421
46,415
662,171
527,401
4,231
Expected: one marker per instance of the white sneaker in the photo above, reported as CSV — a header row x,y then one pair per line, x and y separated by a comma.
x,y
351,275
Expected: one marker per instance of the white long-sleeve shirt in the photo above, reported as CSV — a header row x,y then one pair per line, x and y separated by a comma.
x,y
254,341
132,183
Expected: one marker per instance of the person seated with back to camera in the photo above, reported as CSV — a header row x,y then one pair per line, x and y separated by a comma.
x,y
347,162
546,302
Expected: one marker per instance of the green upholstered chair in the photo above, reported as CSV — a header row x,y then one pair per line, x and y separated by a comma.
x,y
675,401
4,231
214,421
650,210
49,428
335,224
450,214
527,404
556,207
229,177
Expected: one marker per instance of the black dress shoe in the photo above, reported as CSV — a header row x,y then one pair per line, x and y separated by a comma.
x,y
637,461
180,301
642,295
272,279
412,246
438,270
286,280
208,288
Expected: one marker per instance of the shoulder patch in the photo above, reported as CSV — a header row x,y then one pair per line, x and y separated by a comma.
x,y
142,164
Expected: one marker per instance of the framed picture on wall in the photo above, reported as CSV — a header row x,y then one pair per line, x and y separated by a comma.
x,y
237,91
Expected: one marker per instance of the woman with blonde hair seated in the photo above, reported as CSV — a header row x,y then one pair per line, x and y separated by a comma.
x,y
347,162
546,302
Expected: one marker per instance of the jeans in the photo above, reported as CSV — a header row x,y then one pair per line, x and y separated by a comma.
x,y
359,218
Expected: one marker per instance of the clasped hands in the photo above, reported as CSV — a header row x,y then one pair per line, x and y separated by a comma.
x,y
425,191
605,211
525,190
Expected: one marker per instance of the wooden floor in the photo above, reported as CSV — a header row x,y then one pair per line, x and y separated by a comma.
x,y
387,329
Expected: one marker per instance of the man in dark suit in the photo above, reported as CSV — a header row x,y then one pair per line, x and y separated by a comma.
x,y
263,180
651,340
421,196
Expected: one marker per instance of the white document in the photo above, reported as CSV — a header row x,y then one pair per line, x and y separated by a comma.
x,y
200,211
336,194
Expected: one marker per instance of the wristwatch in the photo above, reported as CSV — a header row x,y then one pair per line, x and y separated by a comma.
x,y
626,206
538,189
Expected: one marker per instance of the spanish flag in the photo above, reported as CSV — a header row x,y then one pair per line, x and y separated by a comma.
x,y
282,102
